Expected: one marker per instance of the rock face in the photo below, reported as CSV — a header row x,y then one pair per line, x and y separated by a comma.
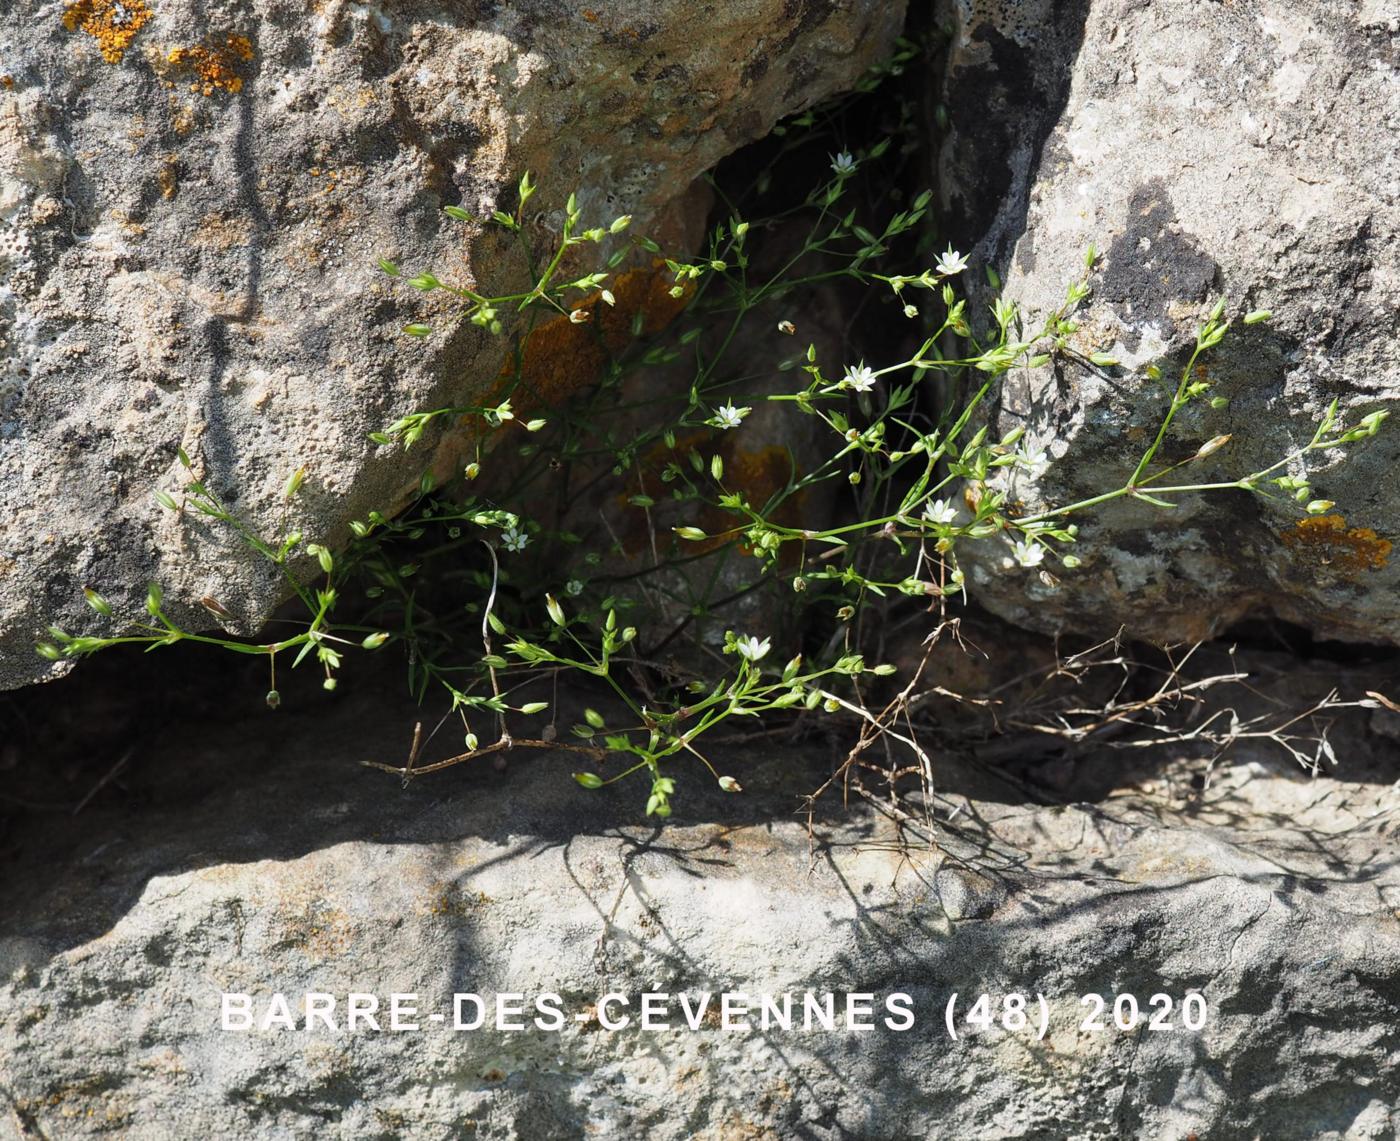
x,y
1236,150
192,201
267,862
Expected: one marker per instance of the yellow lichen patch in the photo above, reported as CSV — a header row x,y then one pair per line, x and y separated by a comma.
x,y
221,232
320,930
331,179
214,65
182,116
169,176
112,23
1327,541
452,902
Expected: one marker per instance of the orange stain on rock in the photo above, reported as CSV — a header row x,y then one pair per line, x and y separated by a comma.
x,y
561,358
758,474
1326,541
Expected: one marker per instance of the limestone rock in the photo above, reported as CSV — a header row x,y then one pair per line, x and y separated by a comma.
x,y
1205,150
192,201
268,862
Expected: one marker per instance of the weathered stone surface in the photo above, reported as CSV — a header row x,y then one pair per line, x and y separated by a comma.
x,y
192,199
1241,150
267,862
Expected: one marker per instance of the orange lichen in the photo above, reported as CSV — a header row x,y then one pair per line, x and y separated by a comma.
x,y
215,65
1325,540
112,23
7,81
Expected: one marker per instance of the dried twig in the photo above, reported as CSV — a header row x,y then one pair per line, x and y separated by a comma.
x,y
101,784
593,752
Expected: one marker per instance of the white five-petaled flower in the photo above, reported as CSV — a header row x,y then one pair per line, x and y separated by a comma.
x,y
950,262
513,539
844,163
727,416
573,587
860,377
940,511
751,648
1027,552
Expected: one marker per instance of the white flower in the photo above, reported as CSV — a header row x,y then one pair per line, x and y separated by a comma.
x,y
751,648
950,262
727,416
860,377
911,311
1027,552
513,539
573,587
940,511
843,164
